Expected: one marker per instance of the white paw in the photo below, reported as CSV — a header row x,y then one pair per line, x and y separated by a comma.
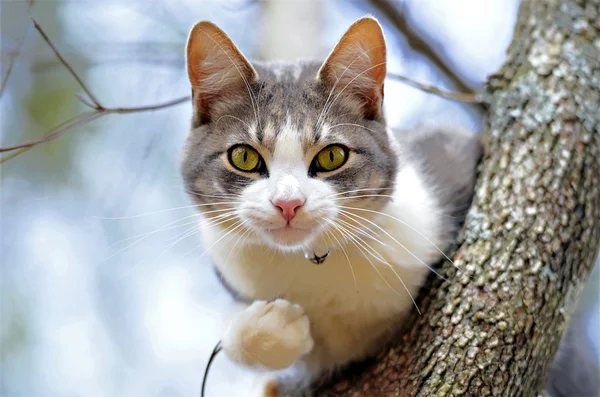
x,y
270,334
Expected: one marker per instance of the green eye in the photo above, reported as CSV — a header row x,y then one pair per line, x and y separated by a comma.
x,y
332,157
244,158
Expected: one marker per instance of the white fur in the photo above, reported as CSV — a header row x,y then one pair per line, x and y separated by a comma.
x,y
269,334
353,301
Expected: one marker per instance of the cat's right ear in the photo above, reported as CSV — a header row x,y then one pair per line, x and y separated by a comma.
x,y
217,70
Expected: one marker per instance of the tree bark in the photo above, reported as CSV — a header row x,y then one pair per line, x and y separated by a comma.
x,y
531,235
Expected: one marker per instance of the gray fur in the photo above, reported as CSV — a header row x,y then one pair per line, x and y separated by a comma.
x,y
302,98
447,157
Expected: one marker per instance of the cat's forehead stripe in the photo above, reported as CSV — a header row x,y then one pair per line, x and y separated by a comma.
x,y
288,146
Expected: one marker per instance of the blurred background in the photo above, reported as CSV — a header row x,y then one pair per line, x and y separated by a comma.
x,y
104,290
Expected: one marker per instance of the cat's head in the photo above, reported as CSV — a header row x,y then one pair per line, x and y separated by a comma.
x,y
283,150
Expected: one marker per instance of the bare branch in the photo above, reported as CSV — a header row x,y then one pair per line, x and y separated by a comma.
x,y
137,109
66,64
85,101
83,118
14,55
398,19
60,130
466,97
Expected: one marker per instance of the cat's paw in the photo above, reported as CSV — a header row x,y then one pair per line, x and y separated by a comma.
x,y
269,334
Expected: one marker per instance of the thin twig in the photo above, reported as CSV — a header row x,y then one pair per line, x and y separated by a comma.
x,y
61,130
66,64
11,62
15,54
85,101
398,19
466,97
83,118
137,109
15,154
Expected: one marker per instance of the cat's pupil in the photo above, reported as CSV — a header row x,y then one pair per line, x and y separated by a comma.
x,y
331,156
245,156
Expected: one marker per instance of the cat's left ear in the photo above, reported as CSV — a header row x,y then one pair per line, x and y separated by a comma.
x,y
356,67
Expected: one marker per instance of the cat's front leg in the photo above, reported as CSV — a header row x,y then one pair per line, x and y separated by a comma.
x,y
268,334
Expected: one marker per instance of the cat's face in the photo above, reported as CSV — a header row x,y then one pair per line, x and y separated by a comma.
x,y
280,150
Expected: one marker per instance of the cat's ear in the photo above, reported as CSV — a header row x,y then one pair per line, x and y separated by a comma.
x,y
217,70
356,66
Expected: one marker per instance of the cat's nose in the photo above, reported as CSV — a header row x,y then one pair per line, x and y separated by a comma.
x,y
288,208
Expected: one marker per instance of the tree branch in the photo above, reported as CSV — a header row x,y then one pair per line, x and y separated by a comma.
x,y
466,97
65,63
14,55
85,118
531,236
398,19
98,110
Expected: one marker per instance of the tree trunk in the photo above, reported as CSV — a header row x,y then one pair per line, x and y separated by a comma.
x,y
531,235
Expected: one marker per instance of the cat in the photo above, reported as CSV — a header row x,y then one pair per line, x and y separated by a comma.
x,y
316,216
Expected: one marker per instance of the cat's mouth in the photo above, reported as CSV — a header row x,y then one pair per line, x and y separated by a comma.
x,y
289,236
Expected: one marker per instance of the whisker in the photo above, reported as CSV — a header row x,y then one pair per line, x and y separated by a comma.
x,y
182,236
220,196
160,229
359,190
167,210
272,256
229,227
381,259
139,240
354,125
216,220
195,227
165,228
143,237
217,195
361,231
245,236
407,225
393,197
233,117
397,242
233,228
346,255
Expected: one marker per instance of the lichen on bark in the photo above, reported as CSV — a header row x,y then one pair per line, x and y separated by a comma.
x,y
531,235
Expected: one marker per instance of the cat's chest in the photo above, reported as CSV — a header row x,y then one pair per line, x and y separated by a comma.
x,y
350,280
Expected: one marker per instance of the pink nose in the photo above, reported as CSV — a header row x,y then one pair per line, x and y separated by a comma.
x,y
288,208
